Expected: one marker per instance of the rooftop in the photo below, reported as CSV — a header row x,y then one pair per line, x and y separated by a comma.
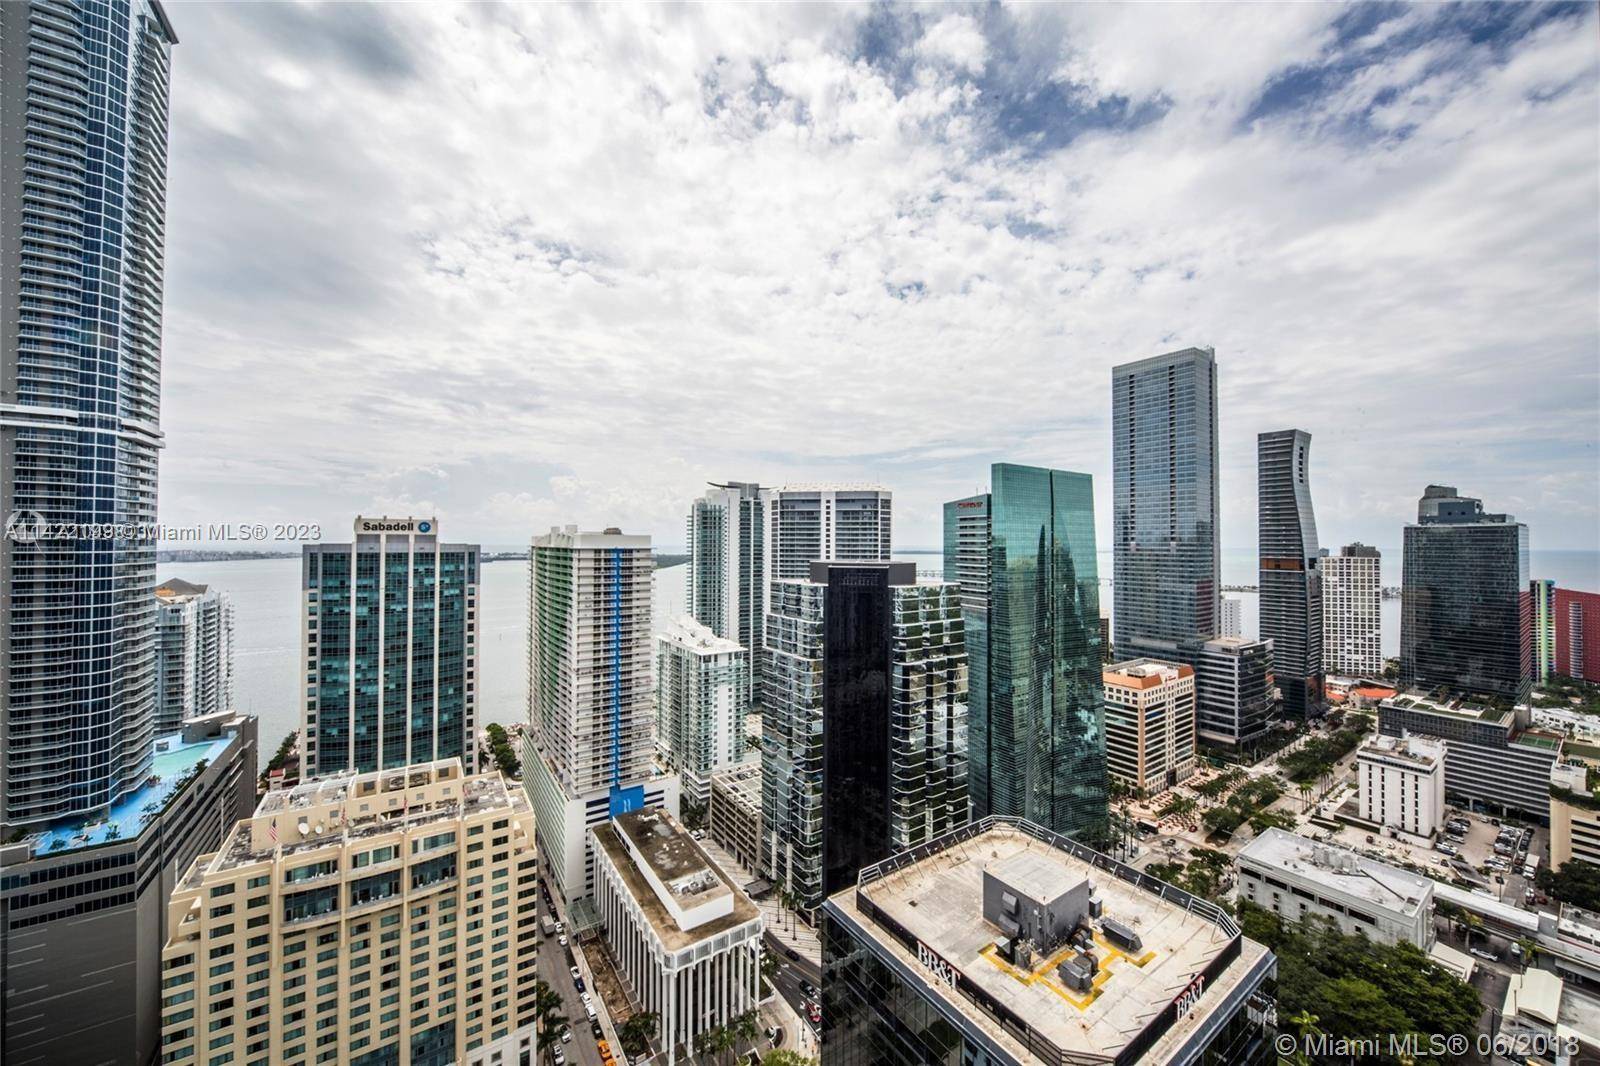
x,y
127,818
743,782
1354,875
343,808
673,859
176,588
685,632
935,896
1144,673
1458,707
1419,751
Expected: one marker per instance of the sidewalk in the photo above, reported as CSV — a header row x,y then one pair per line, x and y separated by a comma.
x,y
781,923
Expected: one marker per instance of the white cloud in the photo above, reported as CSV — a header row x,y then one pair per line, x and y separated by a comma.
x,y
534,265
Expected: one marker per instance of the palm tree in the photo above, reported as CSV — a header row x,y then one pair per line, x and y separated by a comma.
x,y
1470,923
636,1033
1528,948
548,1025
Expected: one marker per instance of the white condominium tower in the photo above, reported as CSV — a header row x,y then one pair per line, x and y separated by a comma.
x,y
382,917
1352,612
726,538
806,523
702,694
194,665
590,705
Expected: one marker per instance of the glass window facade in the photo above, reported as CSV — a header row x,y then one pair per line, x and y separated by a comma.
x,y
1024,555
1164,498
1466,615
391,646
83,207
1290,581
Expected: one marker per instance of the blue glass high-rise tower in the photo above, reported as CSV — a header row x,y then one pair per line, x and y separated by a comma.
x,y
1024,556
83,148
1166,565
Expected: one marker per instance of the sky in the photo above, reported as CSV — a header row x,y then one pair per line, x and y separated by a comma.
x,y
522,266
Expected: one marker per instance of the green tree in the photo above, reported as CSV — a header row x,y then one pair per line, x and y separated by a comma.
x,y
785,1057
547,1023
636,1033
1577,882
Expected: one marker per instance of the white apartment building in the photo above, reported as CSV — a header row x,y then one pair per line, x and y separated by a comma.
x,y
687,940
1150,723
702,694
591,707
1400,783
805,523
194,659
1352,612
1294,877
1232,617
385,917
726,538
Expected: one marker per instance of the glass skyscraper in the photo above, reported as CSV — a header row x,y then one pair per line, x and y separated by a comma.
x,y
1291,583
83,151
1466,613
390,648
1164,496
863,746
1024,556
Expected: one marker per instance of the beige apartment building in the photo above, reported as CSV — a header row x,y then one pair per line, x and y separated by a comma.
x,y
362,919
1150,723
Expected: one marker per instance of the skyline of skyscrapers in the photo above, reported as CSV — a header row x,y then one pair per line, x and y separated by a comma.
x,y
83,159
1290,583
864,722
1165,510
591,700
389,640
1023,555
1466,620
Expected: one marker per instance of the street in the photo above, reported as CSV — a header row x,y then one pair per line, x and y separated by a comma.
x,y
554,969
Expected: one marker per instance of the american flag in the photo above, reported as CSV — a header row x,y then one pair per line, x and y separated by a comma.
x,y
272,831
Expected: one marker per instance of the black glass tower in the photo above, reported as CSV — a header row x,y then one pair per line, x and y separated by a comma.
x,y
1466,621
1291,585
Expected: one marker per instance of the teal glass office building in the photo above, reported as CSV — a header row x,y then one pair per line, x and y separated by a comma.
x,y
1024,556
390,648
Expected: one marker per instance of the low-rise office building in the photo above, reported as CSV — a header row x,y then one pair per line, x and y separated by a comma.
x,y
687,941
1233,689
83,904
1400,783
1296,878
368,918
733,817
1552,1019
1493,762
1150,727
1574,817
1004,943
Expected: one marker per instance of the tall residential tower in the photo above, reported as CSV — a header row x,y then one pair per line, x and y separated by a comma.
x,y
726,538
1291,585
1023,555
194,671
1164,497
1352,612
863,745
83,160
390,639
590,706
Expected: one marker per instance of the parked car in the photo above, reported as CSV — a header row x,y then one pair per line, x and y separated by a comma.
x,y
1487,956
562,940
576,976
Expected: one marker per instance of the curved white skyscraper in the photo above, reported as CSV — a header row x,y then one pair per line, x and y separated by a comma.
x,y
83,150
